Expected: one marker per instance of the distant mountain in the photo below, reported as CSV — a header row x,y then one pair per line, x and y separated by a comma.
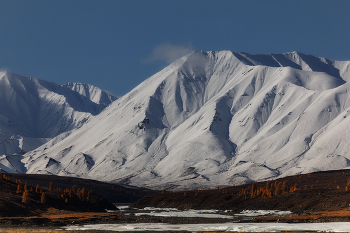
x,y
33,111
213,118
95,94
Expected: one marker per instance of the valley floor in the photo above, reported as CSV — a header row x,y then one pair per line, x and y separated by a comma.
x,y
136,220
310,202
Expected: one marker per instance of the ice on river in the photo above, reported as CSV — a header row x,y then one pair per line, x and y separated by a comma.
x,y
255,213
173,212
187,213
234,227
161,209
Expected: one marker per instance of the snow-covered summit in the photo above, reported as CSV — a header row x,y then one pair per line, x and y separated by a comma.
x,y
95,94
33,111
214,118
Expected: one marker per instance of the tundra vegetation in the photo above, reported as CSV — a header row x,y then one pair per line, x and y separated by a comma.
x,y
304,193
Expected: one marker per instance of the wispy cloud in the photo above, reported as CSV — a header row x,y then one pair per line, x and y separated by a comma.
x,y
168,52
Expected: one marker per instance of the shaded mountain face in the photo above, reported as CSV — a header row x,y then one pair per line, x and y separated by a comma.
x,y
213,118
95,94
33,111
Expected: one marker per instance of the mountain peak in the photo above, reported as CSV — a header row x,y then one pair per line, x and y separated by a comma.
x,y
32,111
95,94
213,118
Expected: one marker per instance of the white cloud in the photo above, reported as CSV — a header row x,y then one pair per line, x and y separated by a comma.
x,y
168,52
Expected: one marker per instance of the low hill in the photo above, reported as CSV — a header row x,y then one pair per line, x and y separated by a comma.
x,y
112,192
313,192
19,198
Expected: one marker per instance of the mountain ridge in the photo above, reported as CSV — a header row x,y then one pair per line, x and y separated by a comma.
x,y
33,111
209,119
95,94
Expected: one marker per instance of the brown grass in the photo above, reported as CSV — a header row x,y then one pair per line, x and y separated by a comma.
x,y
41,231
27,231
45,231
57,215
313,216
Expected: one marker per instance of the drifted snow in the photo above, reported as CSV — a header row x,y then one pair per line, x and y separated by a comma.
x,y
214,118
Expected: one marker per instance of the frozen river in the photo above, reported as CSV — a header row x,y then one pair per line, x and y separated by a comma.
x,y
234,227
232,223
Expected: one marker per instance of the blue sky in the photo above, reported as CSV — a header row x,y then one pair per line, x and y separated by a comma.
x,y
116,44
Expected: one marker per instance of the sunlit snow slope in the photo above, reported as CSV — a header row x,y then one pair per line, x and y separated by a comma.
x,y
214,118
32,112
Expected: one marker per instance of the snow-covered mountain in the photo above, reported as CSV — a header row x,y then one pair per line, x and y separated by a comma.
x,y
33,111
95,94
214,118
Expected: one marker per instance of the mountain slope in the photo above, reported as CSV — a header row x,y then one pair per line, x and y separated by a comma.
x,y
95,94
213,118
33,111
